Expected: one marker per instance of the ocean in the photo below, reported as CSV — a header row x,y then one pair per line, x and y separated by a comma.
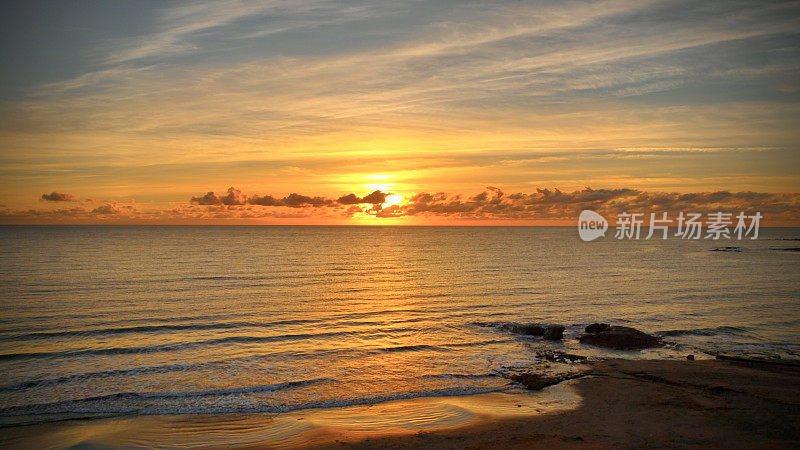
x,y
102,321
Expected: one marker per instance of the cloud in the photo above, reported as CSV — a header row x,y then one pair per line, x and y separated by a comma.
x,y
58,197
377,197
110,211
113,208
298,201
491,204
561,205
349,199
542,203
233,197
266,200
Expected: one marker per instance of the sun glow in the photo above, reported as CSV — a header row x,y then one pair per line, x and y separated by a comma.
x,y
394,199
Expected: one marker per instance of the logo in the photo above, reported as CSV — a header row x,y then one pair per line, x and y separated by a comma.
x,y
591,225
719,225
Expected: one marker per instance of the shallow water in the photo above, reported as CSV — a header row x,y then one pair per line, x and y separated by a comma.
x,y
169,320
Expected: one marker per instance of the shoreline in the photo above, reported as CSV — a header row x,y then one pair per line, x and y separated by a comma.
x,y
639,403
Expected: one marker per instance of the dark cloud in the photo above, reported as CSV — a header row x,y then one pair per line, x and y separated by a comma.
x,y
557,204
375,198
494,203
266,200
209,199
233,197
236,197
349,199
58,197
298,201
293,200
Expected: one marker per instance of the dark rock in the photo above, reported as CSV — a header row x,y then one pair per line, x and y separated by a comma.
x,y
530,330
554,332
560,357
512,327
690,357
597,327
535,381
624,338
521,328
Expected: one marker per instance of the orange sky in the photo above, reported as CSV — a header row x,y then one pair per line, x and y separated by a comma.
x,y
136,113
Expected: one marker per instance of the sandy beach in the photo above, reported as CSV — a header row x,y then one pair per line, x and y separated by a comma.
x,y
717,404
616,403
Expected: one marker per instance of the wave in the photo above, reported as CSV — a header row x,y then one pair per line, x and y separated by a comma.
x,y
154,328
440,347
514,327
174,346
461,376
705,331
62,318
166,368
109,404
28,384
59,406
409,348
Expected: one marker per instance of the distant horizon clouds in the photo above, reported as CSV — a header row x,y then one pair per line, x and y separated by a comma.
x,y
491,206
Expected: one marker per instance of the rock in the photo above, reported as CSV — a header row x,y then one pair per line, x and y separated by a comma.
x,y
559,357
690,357
598,327
624,338
554,332
535,381
530,330
513,327
523,328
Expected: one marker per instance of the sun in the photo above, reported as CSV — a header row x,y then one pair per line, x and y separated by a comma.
x,y
391,200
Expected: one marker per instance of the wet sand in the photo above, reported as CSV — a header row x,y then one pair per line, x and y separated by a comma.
x,y
712,403
618,403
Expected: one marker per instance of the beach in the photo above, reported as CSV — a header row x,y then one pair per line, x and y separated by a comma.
x,y
616,403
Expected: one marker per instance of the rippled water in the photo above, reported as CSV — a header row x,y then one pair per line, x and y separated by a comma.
x,y
165,320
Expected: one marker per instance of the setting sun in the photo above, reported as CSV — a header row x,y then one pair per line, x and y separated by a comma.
x,y
393,199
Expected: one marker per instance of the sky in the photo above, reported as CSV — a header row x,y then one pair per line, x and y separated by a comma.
x,y
396,112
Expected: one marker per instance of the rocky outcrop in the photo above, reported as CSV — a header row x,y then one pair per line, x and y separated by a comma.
x,y
554,332
597,327
529,330
623,338
535,381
